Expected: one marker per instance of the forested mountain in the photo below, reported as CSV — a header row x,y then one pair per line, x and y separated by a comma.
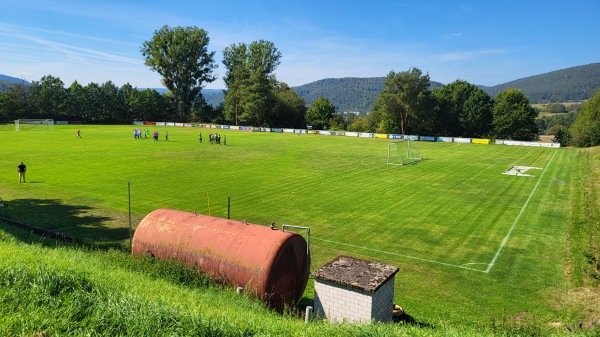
x,y
571,84
349,94
359,94
213,97
7,81
10,79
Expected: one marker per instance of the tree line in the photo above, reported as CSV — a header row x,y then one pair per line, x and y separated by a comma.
x,y
93,103
253,96
460,109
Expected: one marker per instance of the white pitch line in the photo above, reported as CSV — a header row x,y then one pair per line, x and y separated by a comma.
x,y
401,255
505,239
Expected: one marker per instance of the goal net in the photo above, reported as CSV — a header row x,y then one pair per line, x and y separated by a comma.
x,y
403,152
28,124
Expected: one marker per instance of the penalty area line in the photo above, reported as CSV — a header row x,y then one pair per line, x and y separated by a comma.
x,y
505,239
400,255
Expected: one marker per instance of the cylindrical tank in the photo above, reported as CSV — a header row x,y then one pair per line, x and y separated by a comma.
x,y
270,264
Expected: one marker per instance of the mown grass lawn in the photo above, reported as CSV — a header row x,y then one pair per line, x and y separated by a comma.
x,y
472,245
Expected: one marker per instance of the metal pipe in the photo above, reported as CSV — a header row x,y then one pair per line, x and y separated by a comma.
x,y
308,315
307,241
228,206
129,211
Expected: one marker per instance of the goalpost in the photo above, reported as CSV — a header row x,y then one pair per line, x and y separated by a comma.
x,y
26,124
403,152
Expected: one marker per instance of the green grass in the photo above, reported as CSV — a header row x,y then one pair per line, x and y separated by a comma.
x,y
66,291
474,247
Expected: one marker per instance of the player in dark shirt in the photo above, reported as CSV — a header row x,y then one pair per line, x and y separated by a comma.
x,y
21,169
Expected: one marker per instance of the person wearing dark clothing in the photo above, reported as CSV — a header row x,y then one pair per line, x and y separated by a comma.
x,y
21,169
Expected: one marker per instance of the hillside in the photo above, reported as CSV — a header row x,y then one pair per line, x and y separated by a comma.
x,y
7,81
571,84
10,79
349,94
212,97
359,94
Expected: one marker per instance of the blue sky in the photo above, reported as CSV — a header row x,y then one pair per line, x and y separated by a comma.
x,y
482,42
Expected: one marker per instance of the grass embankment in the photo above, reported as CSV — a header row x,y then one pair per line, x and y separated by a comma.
x,y
477,250
70,291
583,244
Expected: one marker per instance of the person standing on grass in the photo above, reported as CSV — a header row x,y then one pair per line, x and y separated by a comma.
x,y
79,134
166,136
200,138
21,169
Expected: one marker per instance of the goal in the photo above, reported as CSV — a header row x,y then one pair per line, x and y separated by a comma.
x,y
403,152
27,124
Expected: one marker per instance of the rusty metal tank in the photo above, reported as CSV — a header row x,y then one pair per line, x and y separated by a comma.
x,y
270,264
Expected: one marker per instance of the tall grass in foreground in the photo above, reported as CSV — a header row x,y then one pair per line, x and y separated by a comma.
x,y
66,291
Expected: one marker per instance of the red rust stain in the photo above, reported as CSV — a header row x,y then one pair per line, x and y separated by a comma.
x,y
271,264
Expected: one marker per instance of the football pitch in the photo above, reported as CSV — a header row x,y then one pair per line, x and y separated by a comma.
x,y
471,242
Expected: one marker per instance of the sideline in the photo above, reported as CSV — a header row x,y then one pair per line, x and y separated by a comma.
x,y
400,255
505,239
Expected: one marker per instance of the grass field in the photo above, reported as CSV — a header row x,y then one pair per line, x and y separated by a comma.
x,y
473,245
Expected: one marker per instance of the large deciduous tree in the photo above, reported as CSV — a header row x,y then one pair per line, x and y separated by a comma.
x,y
463,110
250,82
289,108
237,77
180,55
48,97
319,113
4,116
17,102
404,95
111,103
586,128
514,118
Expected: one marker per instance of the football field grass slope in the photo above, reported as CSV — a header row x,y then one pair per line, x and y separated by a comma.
x,y
473,245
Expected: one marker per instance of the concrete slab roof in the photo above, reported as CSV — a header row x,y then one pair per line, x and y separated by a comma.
x,y
356,273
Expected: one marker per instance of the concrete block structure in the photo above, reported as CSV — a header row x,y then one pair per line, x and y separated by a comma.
x,y
354,290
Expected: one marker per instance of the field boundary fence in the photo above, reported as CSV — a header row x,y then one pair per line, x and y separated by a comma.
x,y
396,137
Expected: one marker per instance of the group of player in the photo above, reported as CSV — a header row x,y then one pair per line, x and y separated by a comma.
x,y
137,134
214,139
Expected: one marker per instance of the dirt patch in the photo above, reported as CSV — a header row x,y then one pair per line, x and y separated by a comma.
x,y
546,138
568,267
586,301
